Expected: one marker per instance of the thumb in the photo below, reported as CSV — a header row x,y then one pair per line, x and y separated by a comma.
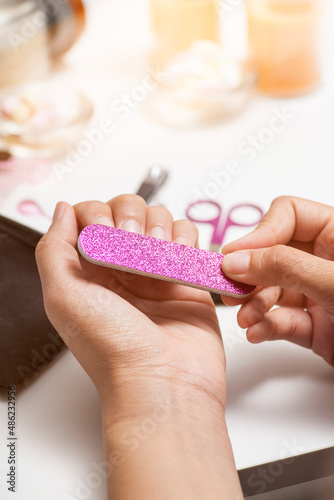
x,y
286,267
56,256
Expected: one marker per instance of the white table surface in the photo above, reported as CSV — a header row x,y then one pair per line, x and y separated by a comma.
x,y
280,397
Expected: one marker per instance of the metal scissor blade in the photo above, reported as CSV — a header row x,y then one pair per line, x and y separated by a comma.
x,y
154,180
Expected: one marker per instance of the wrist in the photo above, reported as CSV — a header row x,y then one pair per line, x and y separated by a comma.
x,y
170,435
127,397
162,415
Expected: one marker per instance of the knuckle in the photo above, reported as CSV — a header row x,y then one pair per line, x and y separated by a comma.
x,y
262,304
267,227
256,314
269,327
324,244
80,206
132,200
330,236
41,246
129,206
294,327
188,225
283,200
285,265
275,258
160,211
324,285
271,323
90,205
53,288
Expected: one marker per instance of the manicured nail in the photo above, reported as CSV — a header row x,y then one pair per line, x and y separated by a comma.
x,y
59,210
105,221
131,225
236,263
158,232
182,240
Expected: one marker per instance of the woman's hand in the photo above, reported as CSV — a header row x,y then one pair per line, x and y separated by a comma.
x,y
290,255
134,326
153,350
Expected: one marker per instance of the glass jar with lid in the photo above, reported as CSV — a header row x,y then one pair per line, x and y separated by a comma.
x,y
33,33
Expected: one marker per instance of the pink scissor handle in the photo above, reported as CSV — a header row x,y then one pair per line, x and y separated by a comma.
x,y
219,223
233,222
30,207
215,221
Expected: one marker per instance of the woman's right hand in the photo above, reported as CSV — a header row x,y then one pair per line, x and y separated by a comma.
x,y
290,255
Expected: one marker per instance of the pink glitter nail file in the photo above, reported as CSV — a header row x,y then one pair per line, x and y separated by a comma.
x,y
147,256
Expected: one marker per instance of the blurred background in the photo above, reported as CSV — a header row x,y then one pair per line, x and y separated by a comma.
x,y
230,96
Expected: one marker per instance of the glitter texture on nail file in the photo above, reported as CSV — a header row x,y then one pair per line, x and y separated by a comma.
x,y
147,256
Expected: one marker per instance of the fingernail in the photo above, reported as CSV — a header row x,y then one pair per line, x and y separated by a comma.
x,y
236,263
182,240
131,225
158,232
105,221
59,210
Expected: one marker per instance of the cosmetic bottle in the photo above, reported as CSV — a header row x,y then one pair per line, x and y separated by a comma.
x,y
24,52
33,33
177,24
283,39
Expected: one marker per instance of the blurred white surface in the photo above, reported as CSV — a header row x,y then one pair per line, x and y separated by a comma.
x,y
280,397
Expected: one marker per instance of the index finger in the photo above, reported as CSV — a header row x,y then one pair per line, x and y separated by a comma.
x,y
289,218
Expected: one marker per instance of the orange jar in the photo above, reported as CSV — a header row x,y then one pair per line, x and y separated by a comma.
x,y
283,37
